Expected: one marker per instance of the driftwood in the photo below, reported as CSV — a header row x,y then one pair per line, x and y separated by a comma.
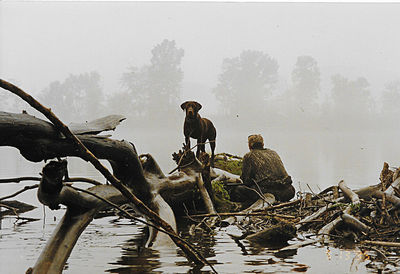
x,y
205,195
381,243
277,234
376,192
349,193
65,180
259,205
354,222
96,126
14,207
19,192
329,227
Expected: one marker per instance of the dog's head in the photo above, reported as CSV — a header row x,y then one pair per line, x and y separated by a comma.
x,y
191,108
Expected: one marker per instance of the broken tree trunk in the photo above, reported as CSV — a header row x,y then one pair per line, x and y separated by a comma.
x,y
80,212
205,195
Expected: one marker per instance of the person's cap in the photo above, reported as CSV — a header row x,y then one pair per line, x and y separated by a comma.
x,y
255,139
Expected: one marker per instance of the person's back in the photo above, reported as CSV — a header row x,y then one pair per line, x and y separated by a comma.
x,y
262,165
264,171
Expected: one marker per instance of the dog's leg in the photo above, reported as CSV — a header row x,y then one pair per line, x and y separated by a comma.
x,y
187,142
203,144
212,145
199,148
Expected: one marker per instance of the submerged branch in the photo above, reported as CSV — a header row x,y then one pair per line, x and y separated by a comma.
x,y
66,180
19,192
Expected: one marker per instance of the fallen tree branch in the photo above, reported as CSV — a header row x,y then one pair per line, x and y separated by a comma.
x,y
282,205
376,192
67,180
233,214
349,193
126,213
18,180
205,195
19,192
13,209
390,244
16,207
318,213
259,205
354,222
325,230
184,153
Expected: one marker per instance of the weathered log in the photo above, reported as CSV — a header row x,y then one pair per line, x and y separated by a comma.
x,y
259,205
19,192
15,207
355,223
390,190
109,122
376,192
368,192
326,229
234,214
224,176
58,248
298,245
66,180
318,213
349,193
81,202
18,180
381,243
183,200
386,176
205,195
276,234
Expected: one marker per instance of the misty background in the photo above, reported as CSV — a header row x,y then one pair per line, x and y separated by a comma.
x,y
320,81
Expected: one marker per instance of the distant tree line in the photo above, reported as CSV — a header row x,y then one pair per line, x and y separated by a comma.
x,y
247,90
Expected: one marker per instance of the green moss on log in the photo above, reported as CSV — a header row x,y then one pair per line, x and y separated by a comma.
x,y
232,164
222,198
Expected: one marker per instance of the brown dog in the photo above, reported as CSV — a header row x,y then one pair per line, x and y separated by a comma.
x,y
198,128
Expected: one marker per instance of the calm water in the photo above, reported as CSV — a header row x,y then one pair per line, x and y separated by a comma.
x,y
110,244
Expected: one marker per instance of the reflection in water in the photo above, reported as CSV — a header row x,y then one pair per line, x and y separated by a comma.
x,y
135,259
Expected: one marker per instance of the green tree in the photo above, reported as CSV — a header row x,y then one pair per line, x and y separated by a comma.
x,y
246,82
389,105
300,101
79,97
352,103
154,90
306,83
391,98
133,100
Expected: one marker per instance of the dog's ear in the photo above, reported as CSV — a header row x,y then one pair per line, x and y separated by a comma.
x,y
183,106
198,106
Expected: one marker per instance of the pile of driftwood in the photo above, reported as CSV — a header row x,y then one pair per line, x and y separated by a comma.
x,y
365,219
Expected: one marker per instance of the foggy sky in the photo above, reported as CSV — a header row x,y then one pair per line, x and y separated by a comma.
x,y
42,42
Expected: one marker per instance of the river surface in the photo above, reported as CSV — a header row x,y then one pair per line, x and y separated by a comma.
x,y
315,160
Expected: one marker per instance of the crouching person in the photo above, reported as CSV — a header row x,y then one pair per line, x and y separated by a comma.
x,y
263,172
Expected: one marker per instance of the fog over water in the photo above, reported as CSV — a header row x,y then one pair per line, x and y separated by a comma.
x,y
320,81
